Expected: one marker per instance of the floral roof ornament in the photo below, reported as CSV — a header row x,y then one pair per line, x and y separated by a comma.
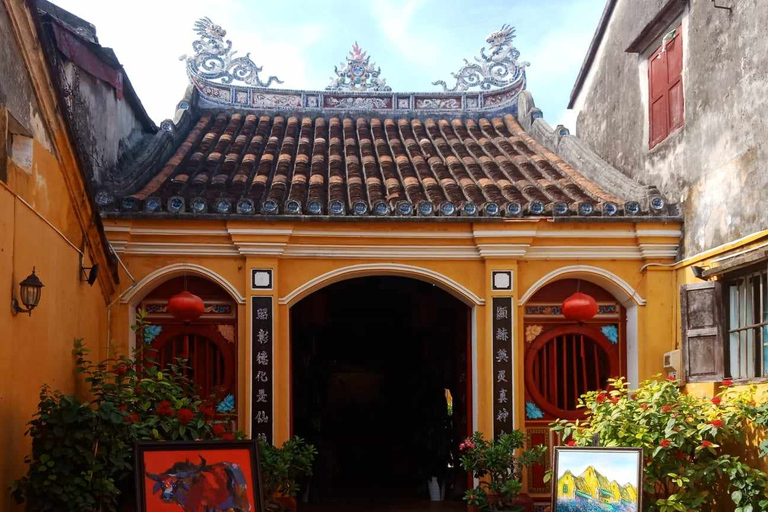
x,y
214,58
500,68
358,74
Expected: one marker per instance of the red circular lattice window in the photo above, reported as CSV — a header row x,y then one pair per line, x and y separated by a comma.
x,y
564,363
210,357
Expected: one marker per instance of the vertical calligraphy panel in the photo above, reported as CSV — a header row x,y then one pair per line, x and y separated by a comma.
x,y
262,341
503,373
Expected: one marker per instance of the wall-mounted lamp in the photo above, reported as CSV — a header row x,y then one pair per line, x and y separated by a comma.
x,y
90,274
30,290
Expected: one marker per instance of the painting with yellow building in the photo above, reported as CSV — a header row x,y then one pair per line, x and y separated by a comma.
x,y
597,480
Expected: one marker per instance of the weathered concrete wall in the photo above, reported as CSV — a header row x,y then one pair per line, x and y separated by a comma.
x,y
715,165
15,90
108,127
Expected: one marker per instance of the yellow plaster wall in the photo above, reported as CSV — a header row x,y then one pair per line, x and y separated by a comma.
x,y
655,284
36,350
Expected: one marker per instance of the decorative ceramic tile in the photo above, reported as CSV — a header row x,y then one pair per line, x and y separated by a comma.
x,y
261,279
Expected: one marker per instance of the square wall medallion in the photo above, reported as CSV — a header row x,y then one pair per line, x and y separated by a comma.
x,y
502,280
261,279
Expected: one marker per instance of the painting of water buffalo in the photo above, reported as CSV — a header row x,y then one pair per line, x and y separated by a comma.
x,y
211,476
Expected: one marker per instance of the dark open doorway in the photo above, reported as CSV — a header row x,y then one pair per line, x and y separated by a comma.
x,y
376,362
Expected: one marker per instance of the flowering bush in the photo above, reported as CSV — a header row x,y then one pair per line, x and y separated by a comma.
x,y
686,467
497,466
82,452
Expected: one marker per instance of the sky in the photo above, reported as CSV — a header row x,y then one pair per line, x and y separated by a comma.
x,y
415,42
616,466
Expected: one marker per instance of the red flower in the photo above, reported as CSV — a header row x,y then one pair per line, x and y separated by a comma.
x,y
121,369
218,430
666,408
133,418
601,398
229,436
185,415
670,378
716,400
571,442
614,399
706,444
164,409
727,382
643,406
680,455
716,423
665,443
208,411
467,445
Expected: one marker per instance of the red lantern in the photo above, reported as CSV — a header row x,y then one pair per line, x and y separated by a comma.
x,y
186,306
579,307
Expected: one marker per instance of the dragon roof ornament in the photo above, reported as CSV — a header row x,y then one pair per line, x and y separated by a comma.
x,y
214,58
223,79
358,74
500,68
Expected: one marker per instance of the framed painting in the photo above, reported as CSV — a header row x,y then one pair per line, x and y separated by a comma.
x,y
202,475
588,479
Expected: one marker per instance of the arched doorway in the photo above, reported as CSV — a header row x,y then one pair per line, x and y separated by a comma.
x,y
381,377
209,344
565,359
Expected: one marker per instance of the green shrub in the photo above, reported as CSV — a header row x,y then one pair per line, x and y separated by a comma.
x,y
82,452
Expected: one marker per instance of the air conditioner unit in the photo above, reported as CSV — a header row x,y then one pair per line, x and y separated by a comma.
x,y
673,364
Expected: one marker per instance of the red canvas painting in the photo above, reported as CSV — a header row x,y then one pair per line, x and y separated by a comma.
x,y
198,479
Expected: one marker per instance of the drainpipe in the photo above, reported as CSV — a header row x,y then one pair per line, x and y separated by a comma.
x,y
109,306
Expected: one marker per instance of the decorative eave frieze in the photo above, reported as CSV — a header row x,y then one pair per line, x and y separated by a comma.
x,y
359,244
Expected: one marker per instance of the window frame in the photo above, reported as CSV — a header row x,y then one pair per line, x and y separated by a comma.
x,y
757,368
668,86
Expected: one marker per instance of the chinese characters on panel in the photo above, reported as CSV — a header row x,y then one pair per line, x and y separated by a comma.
x,y
262,342
503,421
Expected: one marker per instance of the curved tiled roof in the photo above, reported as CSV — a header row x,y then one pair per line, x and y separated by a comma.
x,y
378,166
363,150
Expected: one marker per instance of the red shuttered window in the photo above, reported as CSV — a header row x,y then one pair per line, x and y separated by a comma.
x,y
665,86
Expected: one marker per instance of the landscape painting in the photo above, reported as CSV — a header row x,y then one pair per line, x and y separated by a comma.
x,y
597,480
202,476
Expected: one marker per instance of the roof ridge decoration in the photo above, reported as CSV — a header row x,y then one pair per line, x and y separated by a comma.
x,y
358,74
223,80
499,69
214,58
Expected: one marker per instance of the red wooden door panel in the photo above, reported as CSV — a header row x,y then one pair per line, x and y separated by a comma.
x,y
675,80
665,89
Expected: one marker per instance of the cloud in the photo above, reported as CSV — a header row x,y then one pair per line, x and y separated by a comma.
x,y
394,19
148,37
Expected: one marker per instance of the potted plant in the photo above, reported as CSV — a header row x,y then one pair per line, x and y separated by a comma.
x,y
497,465
283,470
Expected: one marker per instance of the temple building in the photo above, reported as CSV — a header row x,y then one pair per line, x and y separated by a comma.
x,y
362,252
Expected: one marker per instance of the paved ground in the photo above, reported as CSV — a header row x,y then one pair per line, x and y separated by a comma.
x,y
413,506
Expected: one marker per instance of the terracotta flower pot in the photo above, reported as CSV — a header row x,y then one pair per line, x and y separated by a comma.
x,y
287,502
